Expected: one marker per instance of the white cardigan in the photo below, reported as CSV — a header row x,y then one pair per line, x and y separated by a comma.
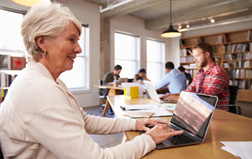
x,y
41,119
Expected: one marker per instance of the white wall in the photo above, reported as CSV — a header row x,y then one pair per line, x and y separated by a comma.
x,y
135,26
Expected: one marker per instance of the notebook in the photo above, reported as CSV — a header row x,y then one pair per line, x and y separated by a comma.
x,y
192,114
152,93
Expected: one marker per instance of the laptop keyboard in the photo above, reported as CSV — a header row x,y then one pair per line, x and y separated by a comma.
x,y
181,139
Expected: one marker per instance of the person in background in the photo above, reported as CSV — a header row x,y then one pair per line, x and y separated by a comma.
x,y
211,79
40,118
174,79
188,75
109,80
140,76
111,76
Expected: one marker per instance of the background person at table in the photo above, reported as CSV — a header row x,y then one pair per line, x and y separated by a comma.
x,y
109,80
211,79
174,79
188,75
110,76
40,118
140,76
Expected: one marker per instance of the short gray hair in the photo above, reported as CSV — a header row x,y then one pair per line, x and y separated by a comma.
x,y
45,20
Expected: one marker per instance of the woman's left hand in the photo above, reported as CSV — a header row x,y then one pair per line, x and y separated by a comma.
x,y
142,123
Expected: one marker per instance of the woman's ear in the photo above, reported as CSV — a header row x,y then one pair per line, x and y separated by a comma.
x,y
40,40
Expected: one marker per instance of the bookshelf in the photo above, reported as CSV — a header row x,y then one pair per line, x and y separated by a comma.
x,y
232,51
9,68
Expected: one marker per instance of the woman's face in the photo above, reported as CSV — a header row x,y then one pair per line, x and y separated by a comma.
x,y
62,50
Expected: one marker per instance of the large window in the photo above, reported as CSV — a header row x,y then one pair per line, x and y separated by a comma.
x,y
78,77
155,60
11,42
127,52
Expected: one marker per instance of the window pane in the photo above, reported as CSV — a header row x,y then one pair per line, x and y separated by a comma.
x,y
154,72
126,54
128,68
78,77
125,46
10,38
75,78
154,51
155,61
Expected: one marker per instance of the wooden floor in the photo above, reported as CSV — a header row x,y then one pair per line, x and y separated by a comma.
x,y
104,140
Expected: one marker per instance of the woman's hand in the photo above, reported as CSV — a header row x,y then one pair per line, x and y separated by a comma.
x,y
162,132
142,123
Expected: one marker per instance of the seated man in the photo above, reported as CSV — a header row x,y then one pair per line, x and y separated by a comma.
x,y
174,79
211,79
188,75
109,80
111,76
140,76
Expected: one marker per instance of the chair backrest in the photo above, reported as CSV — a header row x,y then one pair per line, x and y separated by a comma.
x,y
130,79
233,90
101,82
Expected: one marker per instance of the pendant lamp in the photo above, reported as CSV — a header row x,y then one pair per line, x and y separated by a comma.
x,y
170,33
30,3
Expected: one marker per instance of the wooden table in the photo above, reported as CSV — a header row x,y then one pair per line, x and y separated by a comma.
x,y
113,90
224,126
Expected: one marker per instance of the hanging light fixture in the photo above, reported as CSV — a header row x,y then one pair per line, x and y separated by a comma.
x,y
171,33
30,3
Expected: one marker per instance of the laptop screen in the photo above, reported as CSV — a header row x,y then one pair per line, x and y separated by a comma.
x,y
193,112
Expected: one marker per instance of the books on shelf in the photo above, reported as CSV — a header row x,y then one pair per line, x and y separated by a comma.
x,y
239,73
241,56
6,79
218,40
3,94
5,62
244,84
225,38
249,34
185,52
237,47
187,59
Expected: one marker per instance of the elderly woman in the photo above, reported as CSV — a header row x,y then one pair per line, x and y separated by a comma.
x,y
41,119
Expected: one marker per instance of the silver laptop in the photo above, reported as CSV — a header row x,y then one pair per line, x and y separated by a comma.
x,y
152,93
192,114
122,80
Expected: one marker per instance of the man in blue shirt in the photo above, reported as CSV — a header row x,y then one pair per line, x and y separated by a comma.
x,y
174,79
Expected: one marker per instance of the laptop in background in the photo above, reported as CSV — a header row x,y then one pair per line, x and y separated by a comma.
x,y
122,80
192,114
152,93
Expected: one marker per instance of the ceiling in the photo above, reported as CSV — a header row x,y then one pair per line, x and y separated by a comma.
x,y
196,13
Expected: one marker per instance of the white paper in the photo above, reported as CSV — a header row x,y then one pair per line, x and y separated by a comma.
x,y
141,107
241,149
159,111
